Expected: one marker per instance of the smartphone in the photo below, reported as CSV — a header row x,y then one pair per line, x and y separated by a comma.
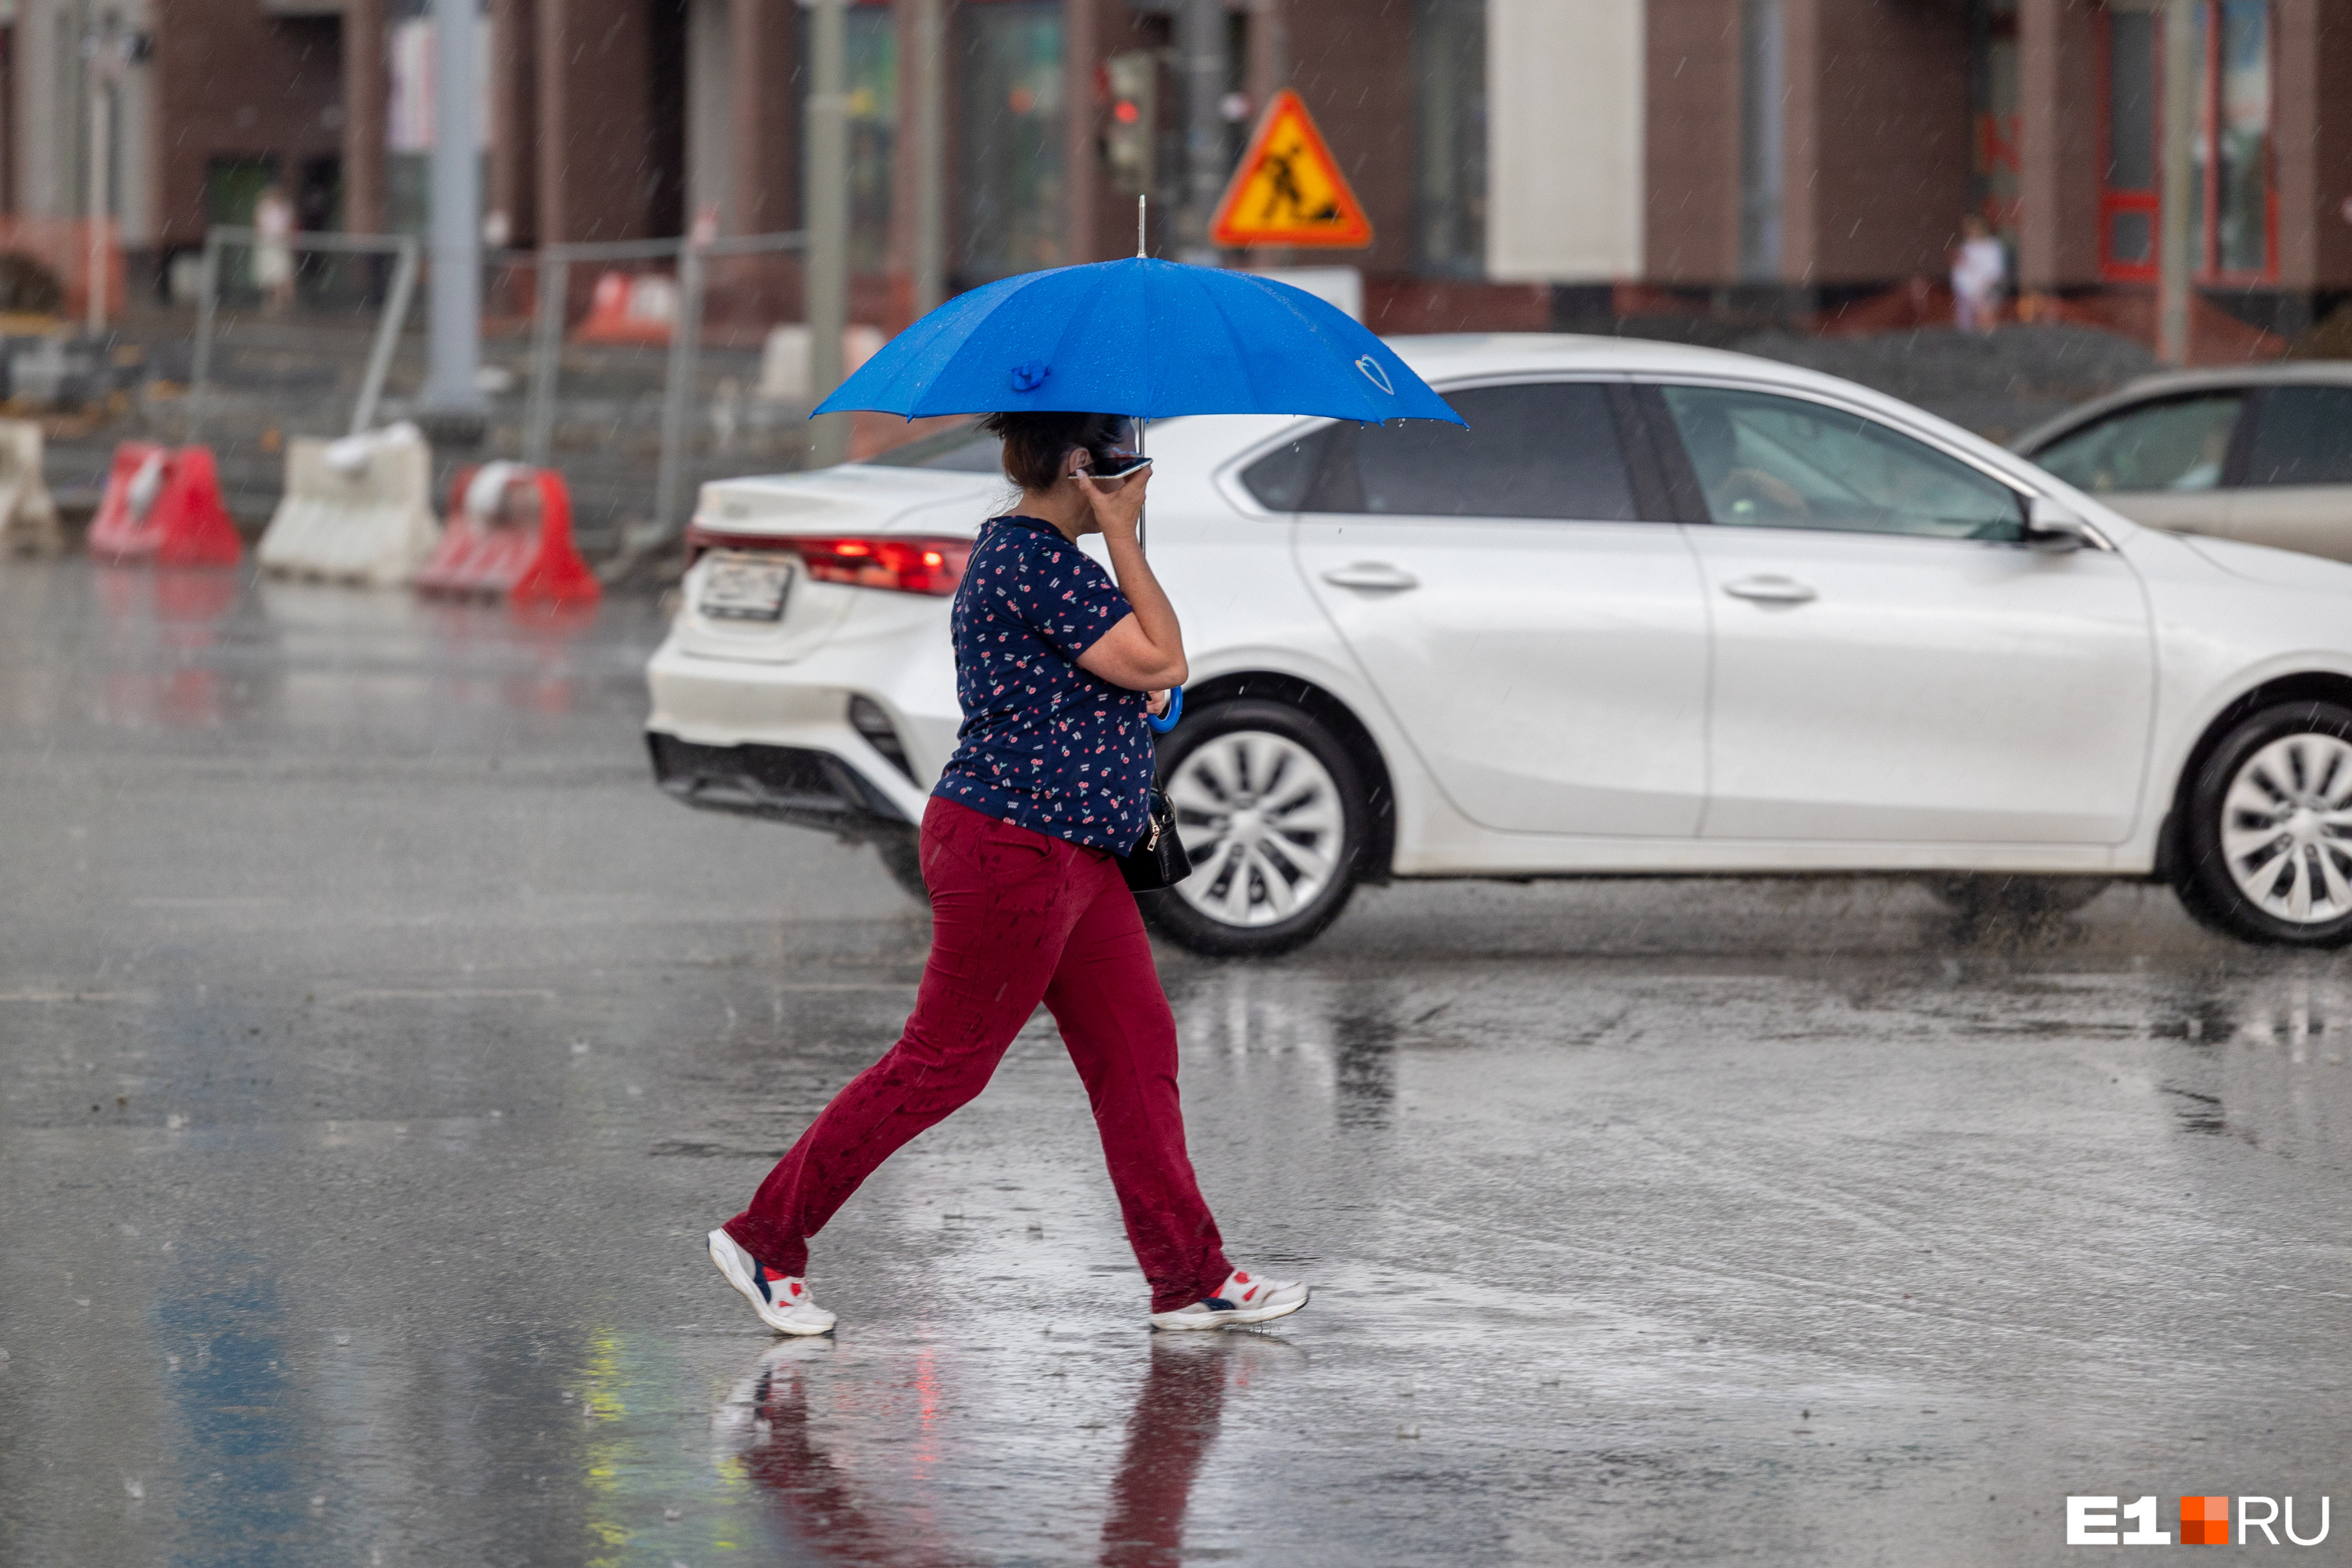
x,y
1127,463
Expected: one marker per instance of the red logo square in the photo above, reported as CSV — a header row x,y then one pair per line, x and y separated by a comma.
x,y
2204,1522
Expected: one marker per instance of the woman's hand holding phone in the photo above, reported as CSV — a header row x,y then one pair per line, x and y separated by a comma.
x,y
1117,503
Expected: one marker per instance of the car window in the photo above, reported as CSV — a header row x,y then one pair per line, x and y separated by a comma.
x,y
2176,445
1281,478
1763,461
967,451
1542,449
2303,436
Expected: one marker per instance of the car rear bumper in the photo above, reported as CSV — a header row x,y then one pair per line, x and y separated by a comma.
x,y
799,784
777,739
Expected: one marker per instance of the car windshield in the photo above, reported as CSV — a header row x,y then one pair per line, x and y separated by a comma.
x,y
1763,460
2177,445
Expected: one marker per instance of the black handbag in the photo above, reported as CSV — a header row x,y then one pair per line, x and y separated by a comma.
x,y
1158,859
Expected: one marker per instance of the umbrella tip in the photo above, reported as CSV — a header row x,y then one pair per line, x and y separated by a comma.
x,y
1139,200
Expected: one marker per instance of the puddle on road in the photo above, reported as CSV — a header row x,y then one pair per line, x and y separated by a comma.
x,y
135,648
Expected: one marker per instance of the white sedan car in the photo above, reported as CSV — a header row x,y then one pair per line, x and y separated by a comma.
x,y
1657,611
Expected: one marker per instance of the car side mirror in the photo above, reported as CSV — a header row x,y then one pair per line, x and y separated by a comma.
x,y
2051,527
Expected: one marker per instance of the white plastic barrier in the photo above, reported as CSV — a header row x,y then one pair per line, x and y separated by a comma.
x,y
358,509
28,518
785,359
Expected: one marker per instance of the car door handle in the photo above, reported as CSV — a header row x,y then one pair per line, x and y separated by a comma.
x,y
1375,574
1769,589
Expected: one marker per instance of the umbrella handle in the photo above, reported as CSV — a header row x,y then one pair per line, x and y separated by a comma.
x,y
1160,726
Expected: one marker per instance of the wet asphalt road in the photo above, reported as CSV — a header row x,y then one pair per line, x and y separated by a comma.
x,y
376,1045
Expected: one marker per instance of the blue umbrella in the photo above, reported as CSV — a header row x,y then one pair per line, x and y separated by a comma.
x,y
1148,339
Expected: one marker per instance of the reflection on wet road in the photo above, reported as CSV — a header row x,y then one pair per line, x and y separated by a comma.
x,y
376,1045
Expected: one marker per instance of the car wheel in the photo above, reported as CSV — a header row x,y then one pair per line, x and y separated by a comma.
x,y
902,857
2267,844
1273,816
2020,899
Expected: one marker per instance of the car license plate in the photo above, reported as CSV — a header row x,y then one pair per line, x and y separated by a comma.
x,y
744,588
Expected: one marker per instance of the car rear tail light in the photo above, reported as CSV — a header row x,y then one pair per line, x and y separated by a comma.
x,y
899,563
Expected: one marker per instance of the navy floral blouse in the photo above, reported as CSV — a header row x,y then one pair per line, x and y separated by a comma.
x,y
1043,745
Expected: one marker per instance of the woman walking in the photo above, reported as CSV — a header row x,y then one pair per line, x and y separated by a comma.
x,y
1050,781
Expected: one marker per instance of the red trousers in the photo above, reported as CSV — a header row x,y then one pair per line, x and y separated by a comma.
x,y
1017,917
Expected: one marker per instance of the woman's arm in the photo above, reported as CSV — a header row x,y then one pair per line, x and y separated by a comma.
x,y
1145,651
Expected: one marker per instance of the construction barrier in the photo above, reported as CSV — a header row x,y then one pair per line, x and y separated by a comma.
x,y
28,518
784,360
358,509
164,507
631,308
509,536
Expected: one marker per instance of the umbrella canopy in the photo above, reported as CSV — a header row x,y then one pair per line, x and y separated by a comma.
x,y
1149,339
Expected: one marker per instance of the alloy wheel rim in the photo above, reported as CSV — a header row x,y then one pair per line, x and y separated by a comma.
x,y
1262,820
2286,829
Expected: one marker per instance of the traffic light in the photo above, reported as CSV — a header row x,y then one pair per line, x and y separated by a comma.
x,y
1133,128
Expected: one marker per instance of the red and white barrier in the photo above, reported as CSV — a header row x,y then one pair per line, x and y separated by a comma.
x,y
164,507
631,308
509,536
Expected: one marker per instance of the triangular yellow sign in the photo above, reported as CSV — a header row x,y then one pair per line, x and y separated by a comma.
x,y
1289,189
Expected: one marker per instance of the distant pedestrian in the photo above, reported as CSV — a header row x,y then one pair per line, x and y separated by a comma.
x,y
1056,668
1979,276
273,250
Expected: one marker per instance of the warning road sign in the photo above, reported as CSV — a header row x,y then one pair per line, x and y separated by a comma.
x,y
1289,189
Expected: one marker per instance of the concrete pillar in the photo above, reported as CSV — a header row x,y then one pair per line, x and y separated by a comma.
x,y
918,164
365,90
2059,158
1082,56
47,122
1800,140
1564,73
595,119
1267,71
2312,130
1200,87
761,106
453,339
514,118
1690,159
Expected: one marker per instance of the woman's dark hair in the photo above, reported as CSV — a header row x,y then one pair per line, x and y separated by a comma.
x,y
1036,445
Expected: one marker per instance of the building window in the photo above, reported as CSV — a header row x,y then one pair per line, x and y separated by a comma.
x,y
1996,168
2234,200
1449,39
1011,136
2234,154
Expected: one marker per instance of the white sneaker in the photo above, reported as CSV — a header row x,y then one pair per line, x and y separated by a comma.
x,y
782,1301
1242,1300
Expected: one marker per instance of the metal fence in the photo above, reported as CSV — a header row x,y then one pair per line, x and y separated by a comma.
x,y
683,393
633,419
402,247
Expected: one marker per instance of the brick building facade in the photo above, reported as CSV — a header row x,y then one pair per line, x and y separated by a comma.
x,y
1525,162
